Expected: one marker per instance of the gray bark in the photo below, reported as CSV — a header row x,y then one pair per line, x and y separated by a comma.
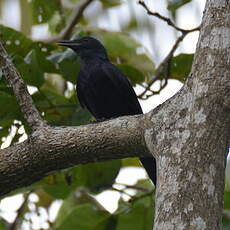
x,y
191,139
188,134
23,97
49,149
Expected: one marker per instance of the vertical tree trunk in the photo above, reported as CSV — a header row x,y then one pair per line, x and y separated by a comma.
x,y
191,151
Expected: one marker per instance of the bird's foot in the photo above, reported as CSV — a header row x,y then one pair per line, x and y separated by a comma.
x,y
98,120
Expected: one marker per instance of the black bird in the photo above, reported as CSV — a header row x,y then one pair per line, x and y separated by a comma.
x,y
103,89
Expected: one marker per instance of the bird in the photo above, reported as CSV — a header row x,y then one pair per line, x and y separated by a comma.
x,y
103,89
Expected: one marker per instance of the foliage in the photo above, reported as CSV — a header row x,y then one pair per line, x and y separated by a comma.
x,y
50,72
180,66
173,5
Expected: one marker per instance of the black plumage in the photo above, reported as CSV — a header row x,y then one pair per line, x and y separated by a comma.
x,y
103,89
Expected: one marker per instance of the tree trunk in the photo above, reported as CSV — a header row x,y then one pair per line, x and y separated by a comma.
x,y
191,147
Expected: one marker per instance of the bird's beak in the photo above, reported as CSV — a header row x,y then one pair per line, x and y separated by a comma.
x,y
68,43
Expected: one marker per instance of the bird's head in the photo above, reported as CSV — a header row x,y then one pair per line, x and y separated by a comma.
x,y
85,47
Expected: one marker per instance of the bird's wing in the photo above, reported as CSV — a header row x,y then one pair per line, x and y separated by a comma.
x,y
80,93
123,87
83,87
86,90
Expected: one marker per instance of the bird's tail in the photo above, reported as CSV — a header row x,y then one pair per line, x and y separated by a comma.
x,y
149,163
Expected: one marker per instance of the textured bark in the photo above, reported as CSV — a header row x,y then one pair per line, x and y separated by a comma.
x,y
23,97
50,149
188,134
192,138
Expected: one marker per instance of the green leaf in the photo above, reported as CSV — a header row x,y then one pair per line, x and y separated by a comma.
x,y
2,227
76,198
56,185
143,63
4,132
110,3
181,66
15,138
133,162
225,223
56,22
3,224
132,73
56,83
8,102
30,72
33,67
60,184
85,217
67,64
122,46
135,217
43,10
11,109
173,5
105,172
45,200
55,106
80,117
17,43
226,200
145,197
38,59
56,99
138,213
227,175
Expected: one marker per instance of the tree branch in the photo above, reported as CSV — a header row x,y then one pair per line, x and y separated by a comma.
x,y
49,149
168,20
164,67
74,19
23,97
162,70
20,212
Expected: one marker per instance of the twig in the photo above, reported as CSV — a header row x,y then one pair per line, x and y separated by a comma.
x,y
74,19
134,187
155,92
122,191
23,97
164,68
20,211
168,20
135,198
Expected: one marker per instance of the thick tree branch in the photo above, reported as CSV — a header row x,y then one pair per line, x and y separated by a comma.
x,y
24,99
74,19
50,149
